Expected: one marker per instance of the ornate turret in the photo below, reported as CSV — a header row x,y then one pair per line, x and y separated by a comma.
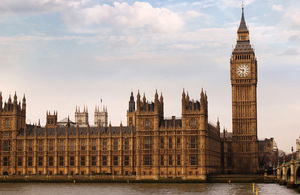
x,y
218,125
82,118
15,98
183,103
131,113
24,103
156,97
51,119
161,98
203,101
131,103
138,100
187,98
101,117
9,99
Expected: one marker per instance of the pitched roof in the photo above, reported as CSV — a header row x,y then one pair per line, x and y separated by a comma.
x,y
82,130
243,26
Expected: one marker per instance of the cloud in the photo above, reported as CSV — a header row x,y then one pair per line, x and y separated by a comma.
x,y
194,14
233,3
33,6
277,8
221,3
139,15
291,52
184,46
90,16
293,17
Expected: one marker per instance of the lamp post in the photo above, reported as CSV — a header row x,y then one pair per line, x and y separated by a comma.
x,y
292,153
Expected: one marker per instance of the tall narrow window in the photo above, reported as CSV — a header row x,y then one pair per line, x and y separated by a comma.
x,y
61,161
104,144
178,159
6,161
193,142
170,143
61,145
29,161
40,161
162,143
126,144
72,145
147,159
116,161
94,147
126,161
104,160
178,143
7,123
162,160
93,160
51,143
20,145
82,160
116,141
41,145
115,144
6,145
229,147
193,159
20,161
50,161
130,121
83,145
170,160
147,143
72,160
30,145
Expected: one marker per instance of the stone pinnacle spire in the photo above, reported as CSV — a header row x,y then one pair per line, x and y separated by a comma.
x,y
243,26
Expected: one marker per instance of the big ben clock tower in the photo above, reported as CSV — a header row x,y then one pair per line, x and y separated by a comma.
x,y
243,70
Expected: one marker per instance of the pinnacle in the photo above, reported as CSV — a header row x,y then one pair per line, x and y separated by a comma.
x,y
243,26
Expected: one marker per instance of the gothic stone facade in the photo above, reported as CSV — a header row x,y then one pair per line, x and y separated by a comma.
x,y
150,148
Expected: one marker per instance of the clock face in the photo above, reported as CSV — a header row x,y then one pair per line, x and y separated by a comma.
x,y
243,70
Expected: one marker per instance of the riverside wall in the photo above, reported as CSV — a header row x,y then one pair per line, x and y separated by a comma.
x,y
131,179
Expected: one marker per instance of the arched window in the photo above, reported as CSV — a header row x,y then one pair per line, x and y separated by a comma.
x,y
7,123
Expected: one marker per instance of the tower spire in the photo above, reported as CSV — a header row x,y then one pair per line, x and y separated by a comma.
x,y
243,26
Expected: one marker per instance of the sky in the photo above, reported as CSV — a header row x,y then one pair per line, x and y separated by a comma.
x,y
64,54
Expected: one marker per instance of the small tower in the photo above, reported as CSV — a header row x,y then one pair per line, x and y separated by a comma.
x,y
82,118
131,114
194,112
51,119
12,120
101,117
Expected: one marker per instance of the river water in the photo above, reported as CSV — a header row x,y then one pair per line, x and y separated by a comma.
x,y
140,188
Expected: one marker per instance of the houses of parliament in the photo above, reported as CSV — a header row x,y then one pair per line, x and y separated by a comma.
x,y
150,146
